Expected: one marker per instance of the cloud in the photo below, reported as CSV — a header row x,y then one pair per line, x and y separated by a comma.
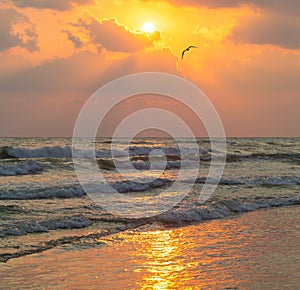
x,y
84,72
35,94
75,39
287,6
278,30
207,3
275,22
111,35
269,71
7,38
11,35
60,5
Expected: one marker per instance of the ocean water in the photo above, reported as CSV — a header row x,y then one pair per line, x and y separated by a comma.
x,y
43,206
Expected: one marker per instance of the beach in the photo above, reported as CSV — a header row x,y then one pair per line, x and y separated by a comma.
x,y
149,144
257,250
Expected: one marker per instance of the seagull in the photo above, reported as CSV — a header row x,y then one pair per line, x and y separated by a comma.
x,y
187,49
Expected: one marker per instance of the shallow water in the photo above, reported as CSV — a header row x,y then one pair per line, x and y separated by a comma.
x,y
42,204
257,250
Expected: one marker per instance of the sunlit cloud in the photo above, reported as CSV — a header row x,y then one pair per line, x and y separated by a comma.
x,y
57,53
111,35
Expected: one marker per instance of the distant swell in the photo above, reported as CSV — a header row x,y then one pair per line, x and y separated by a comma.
x,y
268,180
66,152
291,157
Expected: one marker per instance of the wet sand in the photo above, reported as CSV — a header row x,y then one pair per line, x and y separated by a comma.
x,y
256,250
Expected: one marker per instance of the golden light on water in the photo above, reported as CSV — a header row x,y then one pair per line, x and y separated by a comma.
x,y
163,260
233,253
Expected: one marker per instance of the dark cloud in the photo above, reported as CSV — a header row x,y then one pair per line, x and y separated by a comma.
x,y
7,38
206,3
75,39
290,7
26,38
276,30
60,5
286,6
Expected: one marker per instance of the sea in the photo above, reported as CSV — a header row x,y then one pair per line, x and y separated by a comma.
x,y
44,206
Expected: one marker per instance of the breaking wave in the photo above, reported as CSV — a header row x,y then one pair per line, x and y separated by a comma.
x,y
77,191
23,228
20,168
194,212
66,152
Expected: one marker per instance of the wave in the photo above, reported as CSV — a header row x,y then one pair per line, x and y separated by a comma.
x,y
142,164
194,212
42,193
66,152
11,209
55,151
85,239
142,185
23,228
181,215
270,180
75,190
291,157
20,168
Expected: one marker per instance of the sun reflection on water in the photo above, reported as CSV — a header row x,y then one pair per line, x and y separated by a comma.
x,y
159,257
164,266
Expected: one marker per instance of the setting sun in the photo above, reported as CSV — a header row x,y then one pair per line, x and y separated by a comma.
x,y
148,27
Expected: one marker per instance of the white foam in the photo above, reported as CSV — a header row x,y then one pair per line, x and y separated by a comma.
x,y
194,212
66,152
75,190
156,164
34,226
125,186
42,193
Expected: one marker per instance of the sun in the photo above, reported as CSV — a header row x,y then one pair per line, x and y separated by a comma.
x,y
148,27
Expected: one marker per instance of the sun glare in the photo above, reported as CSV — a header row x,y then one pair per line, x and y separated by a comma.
x,y
148,27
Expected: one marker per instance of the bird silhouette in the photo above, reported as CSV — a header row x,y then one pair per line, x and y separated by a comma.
x,y
187,49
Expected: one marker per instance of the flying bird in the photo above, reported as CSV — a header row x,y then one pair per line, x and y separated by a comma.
x,y
187,49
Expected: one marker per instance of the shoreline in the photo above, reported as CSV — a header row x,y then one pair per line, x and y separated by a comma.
x,y
259,242
92,234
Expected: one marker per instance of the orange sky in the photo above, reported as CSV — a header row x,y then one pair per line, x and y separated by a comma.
x,y
55,54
